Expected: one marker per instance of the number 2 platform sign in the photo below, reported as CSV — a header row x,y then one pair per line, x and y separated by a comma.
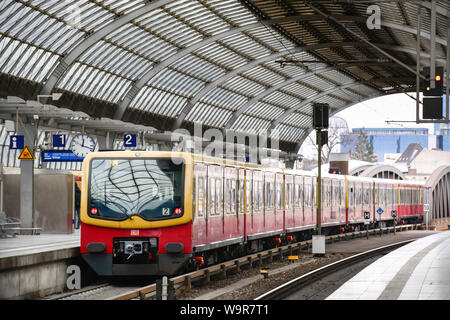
x,y
129,140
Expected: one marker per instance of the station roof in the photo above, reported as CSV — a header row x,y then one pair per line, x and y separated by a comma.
x,y
244,65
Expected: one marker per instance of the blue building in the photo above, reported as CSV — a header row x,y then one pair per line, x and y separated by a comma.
x,y
386,140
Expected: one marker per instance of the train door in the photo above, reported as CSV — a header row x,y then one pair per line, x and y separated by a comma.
x,y
358,189
366,203
299,213
326,200
289,201
248,202
314,201
351,216
215,203
269,201
308,208
230,221
199,200
258,202
341,202
380,201
241,202
389,198
279,201
335,202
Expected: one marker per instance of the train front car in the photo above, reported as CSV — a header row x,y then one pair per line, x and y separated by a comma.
x,y
136,212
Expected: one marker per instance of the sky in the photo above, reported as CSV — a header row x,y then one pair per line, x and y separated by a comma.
x,y
374,113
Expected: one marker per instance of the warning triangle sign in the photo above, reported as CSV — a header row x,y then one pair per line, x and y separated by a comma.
x,y
26,154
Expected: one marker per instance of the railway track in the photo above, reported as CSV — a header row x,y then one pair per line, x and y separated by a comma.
x,y
109,291
288,289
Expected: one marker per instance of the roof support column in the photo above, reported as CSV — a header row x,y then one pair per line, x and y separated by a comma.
x,y
433,44
27,178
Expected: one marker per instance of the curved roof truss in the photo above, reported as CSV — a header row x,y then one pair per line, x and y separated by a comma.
x,y
213,61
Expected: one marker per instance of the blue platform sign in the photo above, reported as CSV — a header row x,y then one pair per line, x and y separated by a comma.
x,y
59,156
129,140
380,211
17,142
59,140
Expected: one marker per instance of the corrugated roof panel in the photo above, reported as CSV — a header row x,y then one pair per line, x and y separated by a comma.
x,y
232,13
296,119
173,81
222,56
282,99
106,56
224,98
82,77
244,86
264,75
194,65
250,124
300,89
198,16
247,45
265,110
209,115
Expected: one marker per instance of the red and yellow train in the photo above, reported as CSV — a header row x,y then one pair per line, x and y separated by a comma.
x,y
160,213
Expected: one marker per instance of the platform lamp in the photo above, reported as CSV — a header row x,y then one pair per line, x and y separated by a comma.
x,y
320,122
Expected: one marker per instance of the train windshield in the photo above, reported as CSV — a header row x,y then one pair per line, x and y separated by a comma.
x,y
122,188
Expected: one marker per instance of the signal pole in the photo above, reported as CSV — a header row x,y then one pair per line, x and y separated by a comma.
x,y
320,121
319,183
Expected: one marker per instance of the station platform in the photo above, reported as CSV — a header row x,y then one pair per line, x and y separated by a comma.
x,y
416,271
30,244
35,265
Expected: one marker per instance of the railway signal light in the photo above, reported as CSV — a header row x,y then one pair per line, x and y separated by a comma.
x,y
438,89
320,115
334,171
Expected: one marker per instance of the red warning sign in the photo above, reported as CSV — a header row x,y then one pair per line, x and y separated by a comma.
x,y
26,154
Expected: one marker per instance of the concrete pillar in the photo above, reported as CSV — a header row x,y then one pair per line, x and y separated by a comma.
x,y
27,178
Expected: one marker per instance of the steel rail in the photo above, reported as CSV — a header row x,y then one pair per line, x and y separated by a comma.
x,y
294,285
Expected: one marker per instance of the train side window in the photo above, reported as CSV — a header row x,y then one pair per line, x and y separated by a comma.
x,y
307,195
200,196
241,196
260,195
350,195
219,201
255,195
248,194
289,195
212,196
279,196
